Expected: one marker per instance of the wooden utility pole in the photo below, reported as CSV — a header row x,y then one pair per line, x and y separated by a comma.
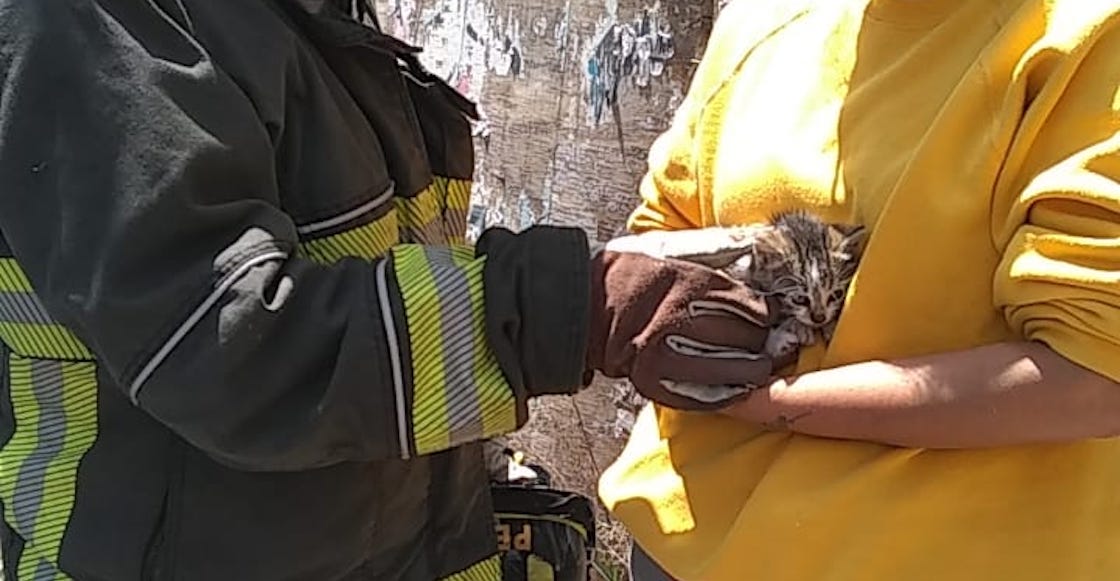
x,y
573,93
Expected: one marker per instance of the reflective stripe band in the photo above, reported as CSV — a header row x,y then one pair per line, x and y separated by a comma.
x,y
26,327
22,307
458,207
458,194
421,216
12,278
55,407
459,392
438,214
430,424
394,358
459,355
368,241
488,570
46,341
347,216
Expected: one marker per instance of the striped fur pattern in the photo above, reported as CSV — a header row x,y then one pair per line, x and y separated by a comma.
x,y
808,265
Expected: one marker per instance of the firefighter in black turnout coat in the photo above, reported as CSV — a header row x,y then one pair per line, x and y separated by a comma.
x,y
241,335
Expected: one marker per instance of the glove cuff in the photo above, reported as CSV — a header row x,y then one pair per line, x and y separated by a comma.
x,y
537,307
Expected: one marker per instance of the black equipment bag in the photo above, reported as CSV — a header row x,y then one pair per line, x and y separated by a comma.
x,y
544,534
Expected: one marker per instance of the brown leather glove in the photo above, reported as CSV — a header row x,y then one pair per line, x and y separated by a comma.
x,y
667,322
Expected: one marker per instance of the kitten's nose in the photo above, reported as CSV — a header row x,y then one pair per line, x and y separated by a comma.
x,y
819,318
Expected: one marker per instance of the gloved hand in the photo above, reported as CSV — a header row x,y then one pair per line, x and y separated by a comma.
x,y
668,323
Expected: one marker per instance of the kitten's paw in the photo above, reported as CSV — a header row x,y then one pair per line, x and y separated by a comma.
x,y
805,334
781,342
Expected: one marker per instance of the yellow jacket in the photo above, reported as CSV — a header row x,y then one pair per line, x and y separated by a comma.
x,y
979,140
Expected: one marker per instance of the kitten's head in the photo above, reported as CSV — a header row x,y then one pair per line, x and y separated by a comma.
x,y
808,265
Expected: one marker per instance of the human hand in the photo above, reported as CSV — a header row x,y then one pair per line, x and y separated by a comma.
x,y
667,323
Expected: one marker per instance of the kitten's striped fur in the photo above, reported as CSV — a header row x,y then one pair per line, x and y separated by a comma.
x,y
808,265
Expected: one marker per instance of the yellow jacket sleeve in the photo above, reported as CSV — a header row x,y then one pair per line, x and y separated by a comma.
x,y
1058,281
673,191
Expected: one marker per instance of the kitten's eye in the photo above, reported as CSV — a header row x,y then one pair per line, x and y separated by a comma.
x,y
837,295
800,300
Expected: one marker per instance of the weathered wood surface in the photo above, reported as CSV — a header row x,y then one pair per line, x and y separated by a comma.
x,y
546,73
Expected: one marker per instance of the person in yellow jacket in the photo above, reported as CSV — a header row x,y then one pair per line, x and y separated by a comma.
x,y
962,423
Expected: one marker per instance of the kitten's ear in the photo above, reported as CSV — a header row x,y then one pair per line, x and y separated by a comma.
x,y
849,240
847,230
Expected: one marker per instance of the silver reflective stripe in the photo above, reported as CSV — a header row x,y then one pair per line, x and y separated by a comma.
x,y
394,356
455,218
46,384
196,316
23,307
345,217
44,571
464,415
431,232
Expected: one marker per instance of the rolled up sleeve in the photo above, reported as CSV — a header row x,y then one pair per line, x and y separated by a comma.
x,y
1058,281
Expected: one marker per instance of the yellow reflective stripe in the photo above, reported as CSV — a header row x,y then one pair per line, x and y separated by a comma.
x,y
457,208
438,214
459,391
458,193
488,570
368,241
540,570
47,341
25,325
439,185
23,441
55,404
422,308
12,277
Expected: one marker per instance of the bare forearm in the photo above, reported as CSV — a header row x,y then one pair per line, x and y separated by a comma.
x,y
998,395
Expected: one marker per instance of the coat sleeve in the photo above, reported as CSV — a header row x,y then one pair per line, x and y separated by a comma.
x,y
139,199
1058,226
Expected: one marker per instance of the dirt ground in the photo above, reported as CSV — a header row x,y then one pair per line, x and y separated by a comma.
x,y
576,438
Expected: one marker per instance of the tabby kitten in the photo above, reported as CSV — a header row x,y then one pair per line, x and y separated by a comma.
x,y
807,265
